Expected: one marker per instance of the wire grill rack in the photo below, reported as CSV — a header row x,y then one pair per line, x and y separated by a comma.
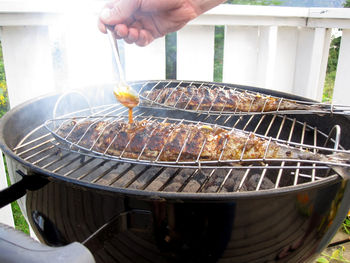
x,y
219,99
107,121
44,151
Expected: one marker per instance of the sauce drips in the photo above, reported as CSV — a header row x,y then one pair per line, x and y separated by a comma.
x,y
128,97
130,116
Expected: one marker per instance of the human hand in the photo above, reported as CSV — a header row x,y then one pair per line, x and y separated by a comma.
x,y
142,21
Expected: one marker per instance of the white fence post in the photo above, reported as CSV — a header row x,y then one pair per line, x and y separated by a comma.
x,y
86,54
285,54
195,53
27,61
145,63
267,56
311,62
341,93
241,55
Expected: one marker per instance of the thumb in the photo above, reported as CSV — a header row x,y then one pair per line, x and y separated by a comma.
x,y
118,12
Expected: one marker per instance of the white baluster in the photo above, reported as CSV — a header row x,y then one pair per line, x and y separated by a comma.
x,y
341,93
195,53
311,62
241,55
145,63
27,61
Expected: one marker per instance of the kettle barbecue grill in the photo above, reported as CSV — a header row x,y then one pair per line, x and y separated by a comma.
x,y
135,211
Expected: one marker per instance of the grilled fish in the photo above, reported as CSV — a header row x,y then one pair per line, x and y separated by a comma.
x,y
220,99
164,141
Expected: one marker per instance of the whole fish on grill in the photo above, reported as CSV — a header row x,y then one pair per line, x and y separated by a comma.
x,y
220,99
170,142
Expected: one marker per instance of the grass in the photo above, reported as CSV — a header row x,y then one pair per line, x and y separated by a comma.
x,y
336,256
20,221
328,87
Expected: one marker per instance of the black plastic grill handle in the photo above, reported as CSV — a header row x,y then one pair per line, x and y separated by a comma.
x,y
16,247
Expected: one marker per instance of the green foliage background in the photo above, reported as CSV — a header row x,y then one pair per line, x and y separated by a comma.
x,y
4,102
331,69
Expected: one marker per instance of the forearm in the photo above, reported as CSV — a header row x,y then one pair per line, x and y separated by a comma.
x,y
202,6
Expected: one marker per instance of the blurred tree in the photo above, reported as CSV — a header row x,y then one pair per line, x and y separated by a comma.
x,y
170,49
4,104
333,54
332,65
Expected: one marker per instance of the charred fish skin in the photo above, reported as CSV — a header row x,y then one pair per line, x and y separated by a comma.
x,y
162,141
219,99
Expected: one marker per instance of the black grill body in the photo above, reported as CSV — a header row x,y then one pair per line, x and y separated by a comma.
x,y
291,224
283,227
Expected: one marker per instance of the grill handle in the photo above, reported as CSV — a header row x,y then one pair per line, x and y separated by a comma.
x,y
142,220
19,189
64,95
15,247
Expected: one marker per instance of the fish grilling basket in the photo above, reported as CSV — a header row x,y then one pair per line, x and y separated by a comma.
x,y
220,99
190,142
180,184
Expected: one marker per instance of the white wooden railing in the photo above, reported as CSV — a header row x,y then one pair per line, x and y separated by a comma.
x,y
53,46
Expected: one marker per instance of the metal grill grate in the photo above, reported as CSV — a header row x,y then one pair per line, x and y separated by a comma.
x,y
39,147
103,126
215,99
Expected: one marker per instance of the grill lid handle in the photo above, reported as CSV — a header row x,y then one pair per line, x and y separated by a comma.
x,y
15,247
19,189
141,220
